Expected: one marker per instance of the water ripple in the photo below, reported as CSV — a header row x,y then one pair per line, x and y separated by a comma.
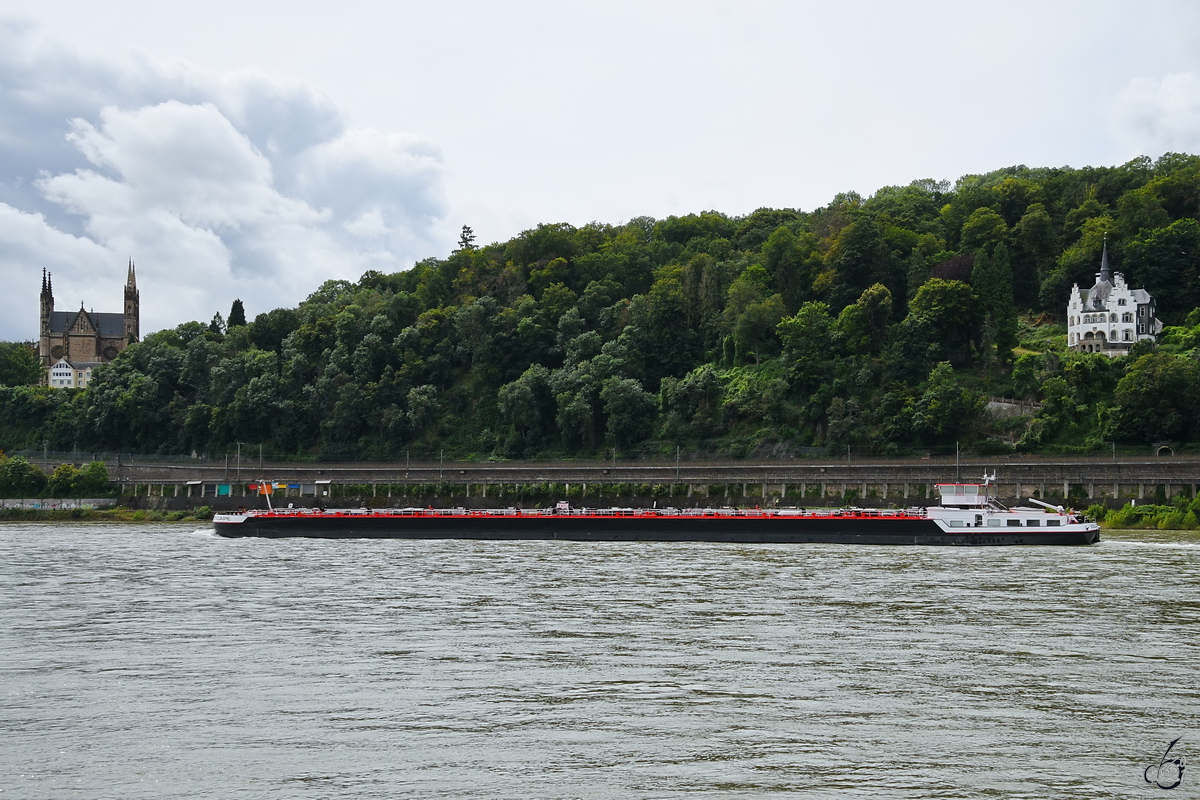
x,y
153,661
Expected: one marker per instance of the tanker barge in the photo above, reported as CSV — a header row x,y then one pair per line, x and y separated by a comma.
x,y
966,516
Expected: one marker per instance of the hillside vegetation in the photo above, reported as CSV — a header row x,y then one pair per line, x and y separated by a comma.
x,y
880,323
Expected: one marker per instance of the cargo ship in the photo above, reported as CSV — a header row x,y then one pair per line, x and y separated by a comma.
x,y
966,516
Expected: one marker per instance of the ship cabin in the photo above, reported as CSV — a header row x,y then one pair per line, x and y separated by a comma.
x,y
963,495
970,505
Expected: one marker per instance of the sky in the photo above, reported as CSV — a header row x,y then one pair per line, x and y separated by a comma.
x,y
254,150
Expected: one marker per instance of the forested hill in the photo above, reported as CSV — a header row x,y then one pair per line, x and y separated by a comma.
x,y
881,323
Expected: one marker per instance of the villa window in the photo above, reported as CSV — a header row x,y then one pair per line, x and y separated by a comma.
x,y
1112,318
1141,327
1128,335
1121,302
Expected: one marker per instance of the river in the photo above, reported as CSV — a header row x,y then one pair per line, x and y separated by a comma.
x,y
160,661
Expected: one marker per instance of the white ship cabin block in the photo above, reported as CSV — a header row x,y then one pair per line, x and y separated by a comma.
x,y
962,494
1110,317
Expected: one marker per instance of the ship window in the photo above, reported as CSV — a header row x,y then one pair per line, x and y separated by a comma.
x,y
956,523
993,523
1051,523
1014,523
1033,523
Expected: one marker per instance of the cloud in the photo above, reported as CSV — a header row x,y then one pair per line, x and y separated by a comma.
x,y
1157,116
218,186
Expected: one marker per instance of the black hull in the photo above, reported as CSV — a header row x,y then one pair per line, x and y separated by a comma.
x,y
772,530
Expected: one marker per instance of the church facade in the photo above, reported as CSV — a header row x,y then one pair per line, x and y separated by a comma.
x,y
87,337
1110,317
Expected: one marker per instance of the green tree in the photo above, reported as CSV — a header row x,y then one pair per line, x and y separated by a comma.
x,y
237,314
754,331
466,239
64,482
791,261
806,346
1157,400
992,282
983,230
946,410
19,364
864,325
1167,262
93,480
629,409
945,311
1035,247
19,478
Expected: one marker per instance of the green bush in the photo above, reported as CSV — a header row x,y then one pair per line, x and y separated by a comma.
x,y
1097,512
19,478
203,512
1171,521
1120,518
64,482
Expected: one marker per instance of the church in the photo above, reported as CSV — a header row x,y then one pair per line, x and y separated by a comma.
x,y
72,342
1110,317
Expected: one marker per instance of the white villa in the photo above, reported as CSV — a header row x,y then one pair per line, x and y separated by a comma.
x,y
1109,317
65,374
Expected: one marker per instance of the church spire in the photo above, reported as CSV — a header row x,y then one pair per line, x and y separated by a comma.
x,y
131,280
1105,273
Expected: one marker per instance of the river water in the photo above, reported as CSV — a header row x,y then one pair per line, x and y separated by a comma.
x,y
158,661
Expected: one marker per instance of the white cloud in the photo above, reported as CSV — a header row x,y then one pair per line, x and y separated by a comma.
x,y
218,186
1156,116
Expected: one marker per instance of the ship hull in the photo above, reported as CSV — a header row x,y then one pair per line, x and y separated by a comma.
x,y
752,530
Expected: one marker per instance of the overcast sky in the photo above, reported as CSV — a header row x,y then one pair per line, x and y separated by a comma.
x,y
255,149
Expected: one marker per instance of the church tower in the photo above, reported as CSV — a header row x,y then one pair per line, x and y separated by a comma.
x,y
132,304
47,301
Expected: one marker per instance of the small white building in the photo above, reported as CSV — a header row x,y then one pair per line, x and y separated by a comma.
x,y
1109,317
64,374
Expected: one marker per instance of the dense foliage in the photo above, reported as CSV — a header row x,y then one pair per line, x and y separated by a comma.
x,y
19,478
19,364
881,323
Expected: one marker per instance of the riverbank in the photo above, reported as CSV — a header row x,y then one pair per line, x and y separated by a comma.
x,y
120,514
1150,536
